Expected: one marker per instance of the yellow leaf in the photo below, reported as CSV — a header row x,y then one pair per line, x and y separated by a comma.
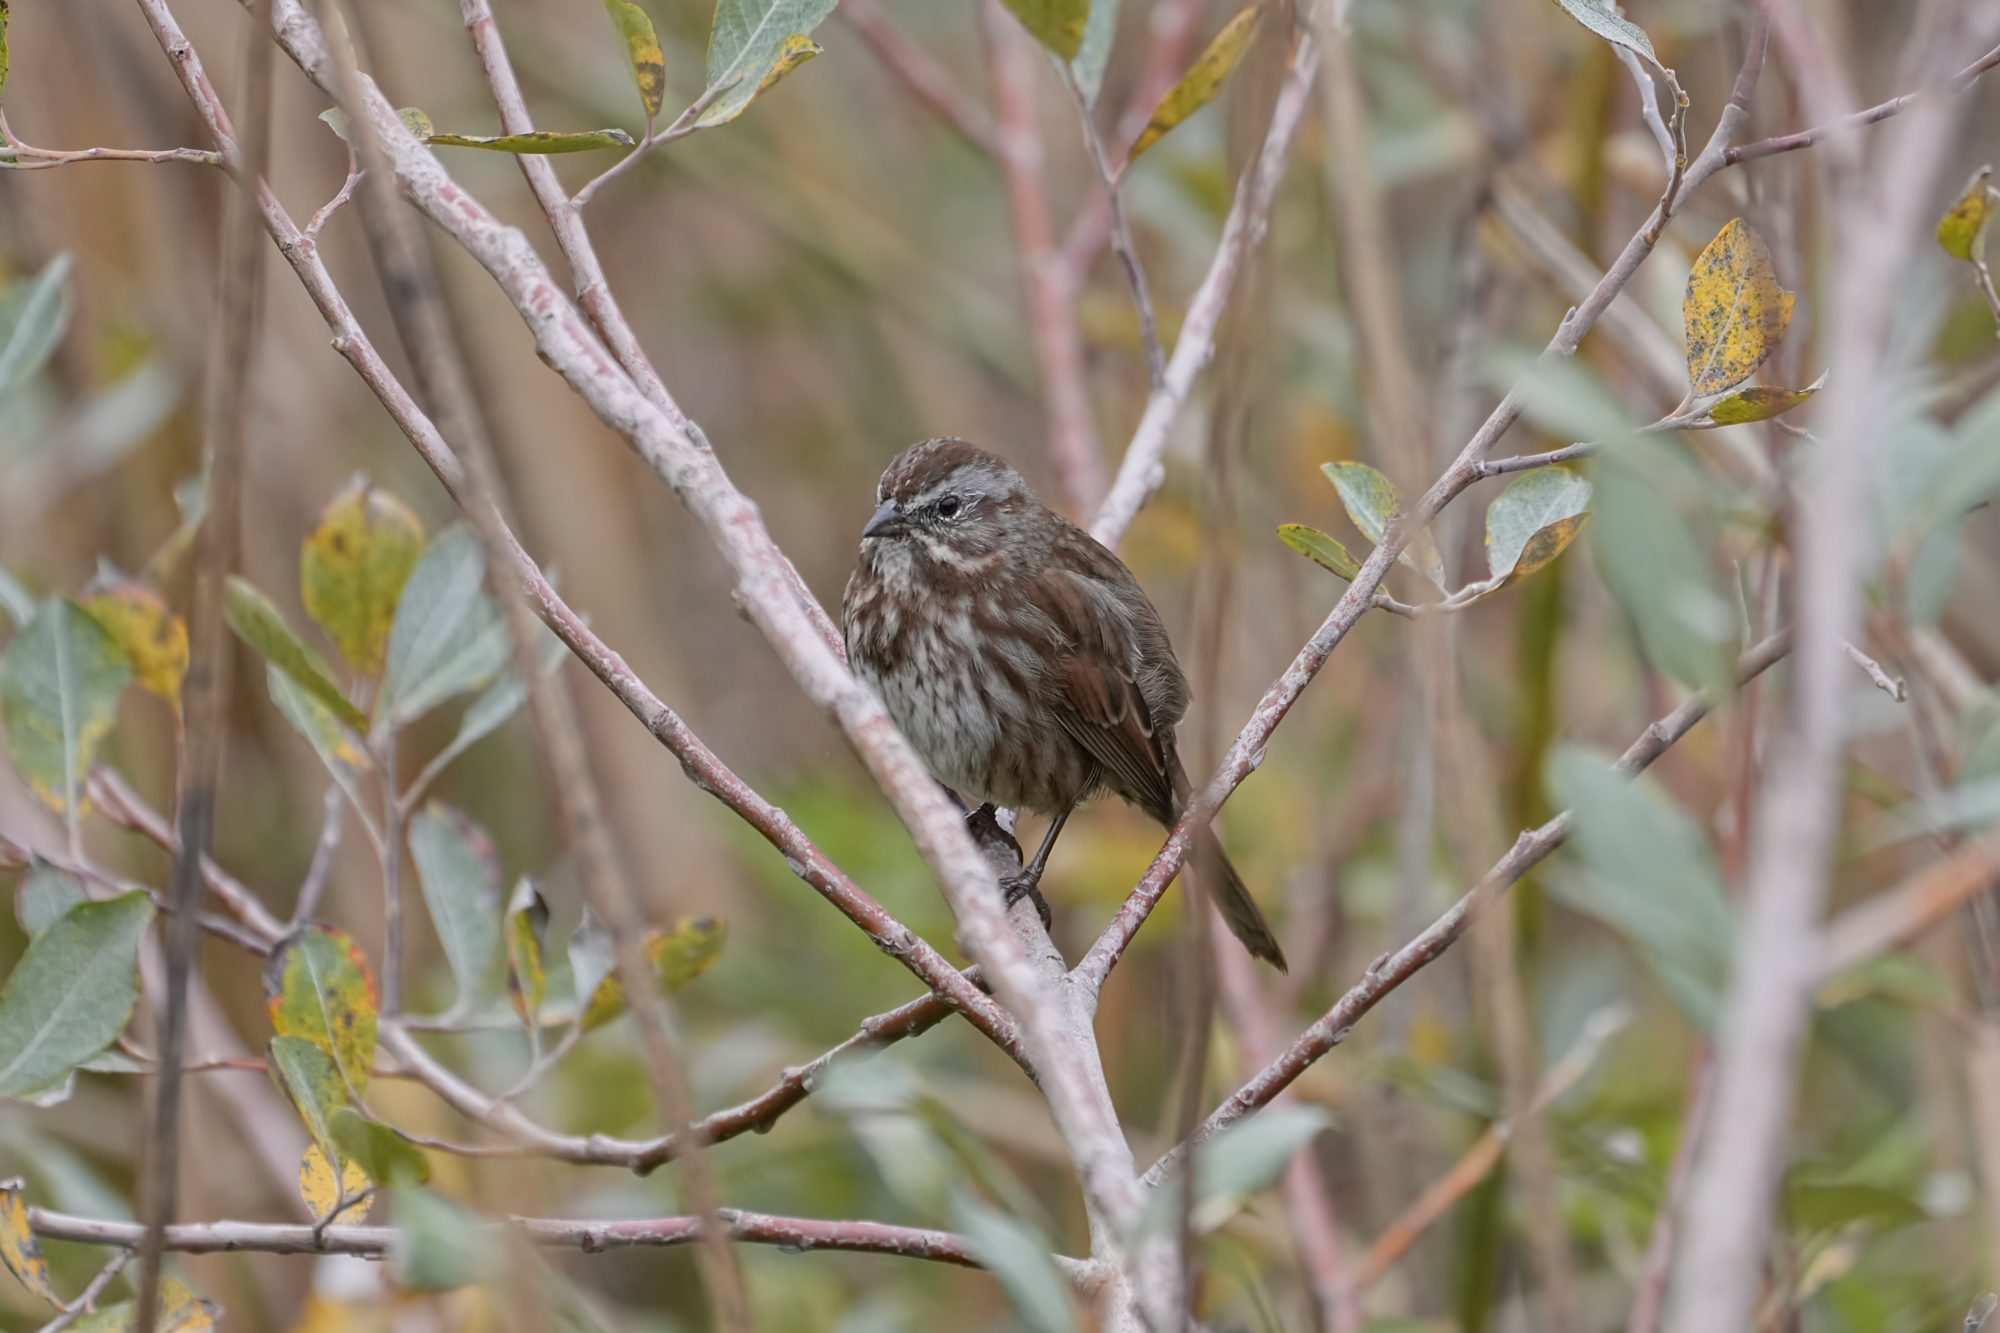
x,y
1547,544
642,52
679,955
318,987
353,566
316,1187
1203,80
1760,402
1735,311
153,637
527,974
19,1247
798,49
1962,232
1056,24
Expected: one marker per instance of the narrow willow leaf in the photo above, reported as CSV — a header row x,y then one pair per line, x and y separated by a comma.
x,y
753,43
1962,231
678,954
335,744
155,639
1734,310
1759,402
323,1195
59,688
1320,548
45,895
1021,1259
34,312
414,120
15,601
448,636
318,988
261,625
191,498
1247,1158
498,702
387,1157
1204,79
1657,565
20,1249
72,992
527,974
1612,28
1371,501
1093,57
307,1076
1533,520
537,141
438,1245
1056,24
643,56
352,568
460,872
3,45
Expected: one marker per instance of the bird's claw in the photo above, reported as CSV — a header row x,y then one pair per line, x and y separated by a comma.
x,y
1022,884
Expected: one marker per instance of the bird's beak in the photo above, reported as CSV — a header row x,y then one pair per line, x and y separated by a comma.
x,y
885,514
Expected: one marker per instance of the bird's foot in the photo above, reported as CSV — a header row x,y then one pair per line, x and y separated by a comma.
x,y
1024,884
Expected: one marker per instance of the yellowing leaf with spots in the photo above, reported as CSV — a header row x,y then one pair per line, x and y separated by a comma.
x,y
1057,24
1203,80
20,1250
384,1155
1962,232
643,55
59,688
155,640
1372,502
1759,402
678,955
1734,310
796,50
527,974
319,988
181,1311
353,567
1320,548
322,1195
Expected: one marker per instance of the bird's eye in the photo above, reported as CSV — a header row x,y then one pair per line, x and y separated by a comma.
x,y
948,507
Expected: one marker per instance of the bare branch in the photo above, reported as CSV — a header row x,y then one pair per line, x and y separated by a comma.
x,y
1874,115
1121,232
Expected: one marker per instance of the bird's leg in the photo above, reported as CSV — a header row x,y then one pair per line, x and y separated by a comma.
x,y
1029,876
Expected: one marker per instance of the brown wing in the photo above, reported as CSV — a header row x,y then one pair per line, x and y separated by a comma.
x,y
1095,681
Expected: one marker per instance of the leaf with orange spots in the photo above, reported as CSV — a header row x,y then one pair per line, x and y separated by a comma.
x,y
1734,310
155,640
353,566
20,1250
320,990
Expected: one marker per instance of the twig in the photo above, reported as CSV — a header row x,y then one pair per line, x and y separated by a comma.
x,y
686,123
1889,919
1049,285
1894,687
1121,233
393,811
321,870
339,201
205,693
86,1300
1881,111
42,159
1497,467
1386,974
1649,1292
794,1235
921,77
120,804
14,853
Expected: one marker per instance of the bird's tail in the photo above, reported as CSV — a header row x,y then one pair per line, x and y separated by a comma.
x,y
1215,873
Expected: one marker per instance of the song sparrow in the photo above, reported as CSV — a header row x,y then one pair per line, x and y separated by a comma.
x,y
1021,658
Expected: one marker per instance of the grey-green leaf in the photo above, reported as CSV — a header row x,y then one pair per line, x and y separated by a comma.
x,y
259,623
746,44
1247,1158
1372,502
1656,568
1537,501
498,702
1612,28
438,1245
34,312
336,746
1019,1256
59,688
1095,54
1059,25
72,992
541,142
15,600
45,894
448,637
461,882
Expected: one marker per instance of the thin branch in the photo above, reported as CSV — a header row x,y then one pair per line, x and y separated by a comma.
x,y
86,1300
1892,918
319,219
20,156
1390,972
206,691
119,803
1498,467
1881,111
686,123
1894,687
793,1235
1121,233
321,870
393,811
1050,287
935,88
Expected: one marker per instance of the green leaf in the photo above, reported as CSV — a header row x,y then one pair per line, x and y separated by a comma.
x,y
1656,568
593,957
1759,402
643,55
15,600
352,568
1247,1159
306,1074
538,141
20,1249
181,1311
1962,231
262,626
1321,549
1533,520
336,745
317,987
527,974
461,880
448,637
752,44
1650,875
72,992
154,639
498,702
1734,310
45,894
678,954
1812,1206
1612,28
59,688
1372,502
387,1157
414,120
3,45
1204,79
438,1245
1020,1258
1094,55
1056,24
191,498
1896,977
34,312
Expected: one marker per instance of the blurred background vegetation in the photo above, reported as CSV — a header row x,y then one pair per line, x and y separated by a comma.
x,y
834,277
